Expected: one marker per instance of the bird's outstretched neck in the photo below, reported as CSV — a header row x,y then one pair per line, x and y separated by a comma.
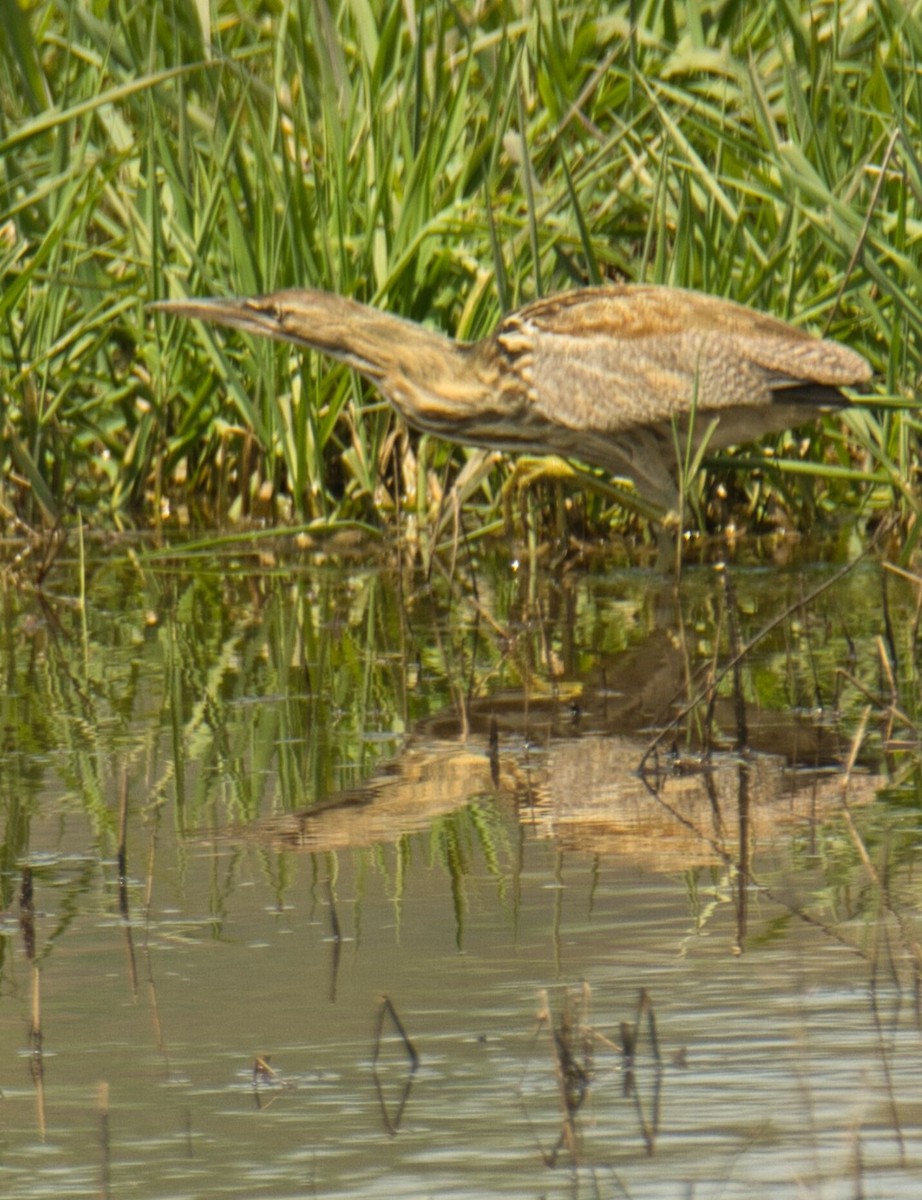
x,y
429,377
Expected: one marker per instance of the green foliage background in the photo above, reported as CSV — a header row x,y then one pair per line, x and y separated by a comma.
x,y
447,162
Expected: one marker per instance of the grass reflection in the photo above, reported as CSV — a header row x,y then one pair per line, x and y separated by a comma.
x,y
340,778
333,703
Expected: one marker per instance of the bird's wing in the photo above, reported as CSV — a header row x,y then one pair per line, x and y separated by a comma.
x,y
606,359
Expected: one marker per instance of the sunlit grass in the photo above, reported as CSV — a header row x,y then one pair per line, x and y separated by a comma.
x,y
448,170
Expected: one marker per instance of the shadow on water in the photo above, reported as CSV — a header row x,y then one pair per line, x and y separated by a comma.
x,y
322,878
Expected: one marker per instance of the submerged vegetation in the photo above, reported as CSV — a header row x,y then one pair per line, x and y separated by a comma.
x,y
446,165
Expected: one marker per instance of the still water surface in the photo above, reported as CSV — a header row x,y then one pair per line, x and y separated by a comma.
x,y
314,820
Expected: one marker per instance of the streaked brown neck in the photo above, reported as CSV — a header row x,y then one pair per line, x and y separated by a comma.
x,y
432,379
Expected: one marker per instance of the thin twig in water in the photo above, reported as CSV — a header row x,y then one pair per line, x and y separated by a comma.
x,y
731,665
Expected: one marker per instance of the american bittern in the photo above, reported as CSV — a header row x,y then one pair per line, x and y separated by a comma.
x,y
617,376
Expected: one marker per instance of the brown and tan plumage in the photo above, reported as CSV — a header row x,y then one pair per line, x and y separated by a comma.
x,y
608,375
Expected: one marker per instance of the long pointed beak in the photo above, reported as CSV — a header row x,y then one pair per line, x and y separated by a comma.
x,y
249,315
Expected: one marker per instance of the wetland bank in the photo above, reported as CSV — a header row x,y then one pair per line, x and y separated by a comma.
x,y
254,792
